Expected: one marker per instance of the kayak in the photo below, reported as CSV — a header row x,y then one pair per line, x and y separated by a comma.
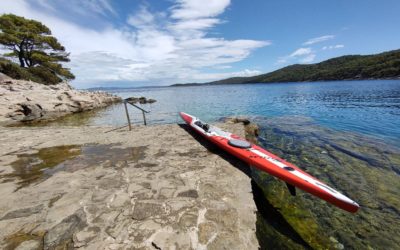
x,y
263,160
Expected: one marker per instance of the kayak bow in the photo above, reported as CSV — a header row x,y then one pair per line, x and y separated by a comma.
x,y
263,160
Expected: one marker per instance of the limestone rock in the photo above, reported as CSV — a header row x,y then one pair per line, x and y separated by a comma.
x,y
83,237
27,101
23,212
225,216
29,245
141,100
237,119
189,193
120,199
62,232
4,77
144,210
206,231
252,130
120,193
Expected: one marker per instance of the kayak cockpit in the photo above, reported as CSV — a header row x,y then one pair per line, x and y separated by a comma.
x,y
203,126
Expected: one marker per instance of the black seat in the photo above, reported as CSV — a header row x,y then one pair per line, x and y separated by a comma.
x,y
204,126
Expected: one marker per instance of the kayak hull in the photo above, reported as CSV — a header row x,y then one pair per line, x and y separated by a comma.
x,y
265,161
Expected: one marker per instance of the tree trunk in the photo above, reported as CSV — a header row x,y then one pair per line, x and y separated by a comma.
x,y
21,58
21,53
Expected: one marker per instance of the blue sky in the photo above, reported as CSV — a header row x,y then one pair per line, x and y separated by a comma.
x,y
137,43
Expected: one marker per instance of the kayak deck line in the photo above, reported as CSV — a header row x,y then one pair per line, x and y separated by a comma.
x,y
265,161
303,176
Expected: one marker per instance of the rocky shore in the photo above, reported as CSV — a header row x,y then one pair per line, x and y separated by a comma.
x,y
26,101
156,187
163,187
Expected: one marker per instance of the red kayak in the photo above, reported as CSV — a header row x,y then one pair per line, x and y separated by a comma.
x,y
262,159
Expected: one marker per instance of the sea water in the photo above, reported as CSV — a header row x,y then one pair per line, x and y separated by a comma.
x,y
371,108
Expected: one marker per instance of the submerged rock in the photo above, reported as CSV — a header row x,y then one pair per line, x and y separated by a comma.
x,y
251,128
365,169
141,100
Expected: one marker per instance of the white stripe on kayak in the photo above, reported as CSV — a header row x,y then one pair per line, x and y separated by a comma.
x,y
307,178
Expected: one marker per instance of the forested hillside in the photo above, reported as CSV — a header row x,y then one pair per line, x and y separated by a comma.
x,y
352,67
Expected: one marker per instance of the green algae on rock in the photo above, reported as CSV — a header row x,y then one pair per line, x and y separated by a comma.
x,y
365,169
29,241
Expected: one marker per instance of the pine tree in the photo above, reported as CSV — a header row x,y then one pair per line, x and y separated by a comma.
x,y
35,48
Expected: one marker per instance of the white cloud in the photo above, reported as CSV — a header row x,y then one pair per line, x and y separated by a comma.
x,y
301,52
191,18
142,19
102,7
45,4
223,67
195,24
166,47
307,55
242,73
319,39
194,9
302,55
338,46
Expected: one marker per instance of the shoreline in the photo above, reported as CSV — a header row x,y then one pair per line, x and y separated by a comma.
x,y
26,101
152,186
164,185
266,83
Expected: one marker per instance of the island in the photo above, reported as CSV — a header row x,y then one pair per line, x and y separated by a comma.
x,y
351,67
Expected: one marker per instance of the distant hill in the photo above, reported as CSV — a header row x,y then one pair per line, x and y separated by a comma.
x,y
353,67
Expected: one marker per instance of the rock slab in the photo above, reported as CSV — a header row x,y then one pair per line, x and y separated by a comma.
x,y
156,187
27,101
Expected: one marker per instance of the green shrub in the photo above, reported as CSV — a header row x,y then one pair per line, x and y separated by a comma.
x,y
44,75
37,74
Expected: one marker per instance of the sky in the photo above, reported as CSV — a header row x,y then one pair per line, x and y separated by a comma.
x,y
131,43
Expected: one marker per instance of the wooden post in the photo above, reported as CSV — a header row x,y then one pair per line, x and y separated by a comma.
x,y
127,116
144,118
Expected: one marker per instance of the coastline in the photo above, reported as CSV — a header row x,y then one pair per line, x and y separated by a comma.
x,y
26,101
284,82
164,186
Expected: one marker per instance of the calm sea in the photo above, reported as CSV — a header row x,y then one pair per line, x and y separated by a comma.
x,y
371,108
